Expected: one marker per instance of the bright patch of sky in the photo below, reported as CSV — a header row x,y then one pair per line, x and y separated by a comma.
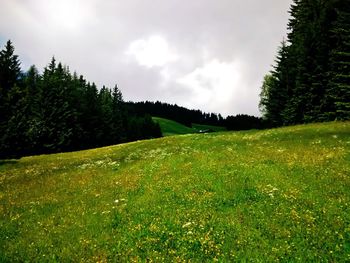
x,y
151,52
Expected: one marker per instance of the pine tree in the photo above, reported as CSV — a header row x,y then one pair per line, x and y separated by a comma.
x,y
10,73
9,68
312,72
275,89
337,99
15,140
32,83
56,112
91,122
119,118
105,104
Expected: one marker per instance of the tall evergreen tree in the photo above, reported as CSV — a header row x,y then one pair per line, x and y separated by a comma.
x,y
105,135
119,118
57,130
32,84
275,89
10,73
9,68
337,99
91,121
317,60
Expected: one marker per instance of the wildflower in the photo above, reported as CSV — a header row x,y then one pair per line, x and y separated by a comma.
x,y
187,224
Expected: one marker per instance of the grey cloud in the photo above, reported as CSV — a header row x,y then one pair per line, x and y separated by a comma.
x,y
200,31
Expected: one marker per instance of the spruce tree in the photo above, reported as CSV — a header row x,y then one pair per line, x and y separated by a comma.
x,y
275,89
119,118
10,73
56,111
32,84
337,99
312,71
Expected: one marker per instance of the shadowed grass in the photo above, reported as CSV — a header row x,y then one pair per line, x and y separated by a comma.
x,y
199,127
274,195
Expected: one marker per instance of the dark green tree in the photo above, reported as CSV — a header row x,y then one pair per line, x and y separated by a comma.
x,y
311,76
119,116
57,131
337,97
10,70
105,136
275,89
10,74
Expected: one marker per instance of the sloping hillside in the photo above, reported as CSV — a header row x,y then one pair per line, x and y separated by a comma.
x,y
281,194
170,127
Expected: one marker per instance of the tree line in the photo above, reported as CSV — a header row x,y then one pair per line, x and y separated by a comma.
x,y
310,81
187,117
56,111
177,113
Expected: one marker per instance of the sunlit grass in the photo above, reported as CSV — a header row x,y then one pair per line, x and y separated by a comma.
x,y
281,194
170,127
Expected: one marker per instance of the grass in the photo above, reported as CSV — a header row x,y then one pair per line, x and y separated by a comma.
x,y
263,196
170,127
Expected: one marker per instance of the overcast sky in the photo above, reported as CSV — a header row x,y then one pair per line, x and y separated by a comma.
x,y
201,54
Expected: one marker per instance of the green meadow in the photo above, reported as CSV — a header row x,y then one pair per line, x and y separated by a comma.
x,y
261,196
170,127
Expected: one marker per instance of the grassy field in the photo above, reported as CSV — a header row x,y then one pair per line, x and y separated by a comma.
x,y
261,196
170,127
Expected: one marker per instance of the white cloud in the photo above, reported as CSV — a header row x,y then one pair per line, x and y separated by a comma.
x,y
152,52
214,84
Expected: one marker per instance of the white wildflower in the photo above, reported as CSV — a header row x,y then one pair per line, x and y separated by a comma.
x,y
187,224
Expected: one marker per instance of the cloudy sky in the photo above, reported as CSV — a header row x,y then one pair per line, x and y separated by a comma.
x,y
202,54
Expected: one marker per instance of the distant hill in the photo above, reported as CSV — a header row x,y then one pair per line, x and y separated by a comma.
x,y
169,127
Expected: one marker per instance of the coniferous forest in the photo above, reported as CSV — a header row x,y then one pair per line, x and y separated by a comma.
x,y
310,81
59,111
